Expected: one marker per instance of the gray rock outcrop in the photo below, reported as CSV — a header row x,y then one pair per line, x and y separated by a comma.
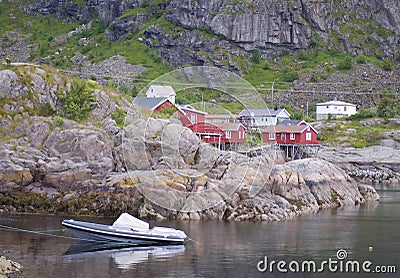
x,y
375,164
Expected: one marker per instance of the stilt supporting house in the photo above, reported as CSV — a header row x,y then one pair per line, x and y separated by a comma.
x,y
299,151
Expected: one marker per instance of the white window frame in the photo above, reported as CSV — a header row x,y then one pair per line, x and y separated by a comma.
x,y
228,134
193,118
308,136
271,136
292,136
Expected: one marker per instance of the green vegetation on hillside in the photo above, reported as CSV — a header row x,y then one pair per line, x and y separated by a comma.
x,y
79,101
58,41
209,100
358,134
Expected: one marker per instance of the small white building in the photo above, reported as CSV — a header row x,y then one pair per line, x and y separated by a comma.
x,y
160,91
262,117
334,109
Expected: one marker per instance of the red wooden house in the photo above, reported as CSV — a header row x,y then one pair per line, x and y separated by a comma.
x,y
234,134
188,115
209,133
221,135
303,134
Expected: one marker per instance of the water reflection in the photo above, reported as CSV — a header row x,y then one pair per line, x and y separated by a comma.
x,y
125,256
218,249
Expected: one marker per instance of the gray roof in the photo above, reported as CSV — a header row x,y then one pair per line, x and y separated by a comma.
x,y
290,122
259,112
150,102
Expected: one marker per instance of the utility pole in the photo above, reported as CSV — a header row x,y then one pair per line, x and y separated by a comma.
x,y
272,93
307,109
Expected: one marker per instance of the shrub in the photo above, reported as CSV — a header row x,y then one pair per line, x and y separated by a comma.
x,y
79,101
46,110
118,116
289,75
361,59
345,64
365,113
59,121
255,56
389,104
8,60
165,113
267,66
387,65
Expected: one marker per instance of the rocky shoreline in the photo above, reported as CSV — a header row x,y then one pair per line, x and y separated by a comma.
x,y
375,165
296,188
10,268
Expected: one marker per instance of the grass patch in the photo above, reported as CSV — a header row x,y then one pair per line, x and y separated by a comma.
x,y
354,133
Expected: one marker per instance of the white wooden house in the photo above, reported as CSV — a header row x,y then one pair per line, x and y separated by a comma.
x,y
334,109
262,117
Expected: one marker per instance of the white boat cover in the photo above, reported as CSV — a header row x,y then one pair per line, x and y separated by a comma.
x,y
127,220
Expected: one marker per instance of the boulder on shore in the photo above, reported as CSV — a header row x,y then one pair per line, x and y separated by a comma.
x,y
9,268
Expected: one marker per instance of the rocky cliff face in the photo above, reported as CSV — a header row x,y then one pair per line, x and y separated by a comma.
x,y
152,168
273,26
241,26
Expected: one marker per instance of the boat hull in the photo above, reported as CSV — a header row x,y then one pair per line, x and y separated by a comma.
x,y
99,232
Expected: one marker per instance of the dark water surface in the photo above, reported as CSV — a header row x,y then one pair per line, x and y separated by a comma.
x,y
220,249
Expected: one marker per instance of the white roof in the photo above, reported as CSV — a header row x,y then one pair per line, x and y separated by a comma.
x,y
259,112
160,91
336,103
190,108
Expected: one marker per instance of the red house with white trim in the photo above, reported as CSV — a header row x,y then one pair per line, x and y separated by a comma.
x,y
209,133
188,115
234,132
303,134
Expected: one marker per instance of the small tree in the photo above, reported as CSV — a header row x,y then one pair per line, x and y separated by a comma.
x,y
118,116
389,104
79,101
255,56
8,60
345,64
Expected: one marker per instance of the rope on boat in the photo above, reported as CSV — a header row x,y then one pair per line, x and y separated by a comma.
x,y
45,233
191,239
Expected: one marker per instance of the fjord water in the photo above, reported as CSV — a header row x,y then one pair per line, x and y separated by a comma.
x,y
218,249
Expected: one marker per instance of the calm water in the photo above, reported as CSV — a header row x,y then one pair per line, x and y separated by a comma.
x,y
221,249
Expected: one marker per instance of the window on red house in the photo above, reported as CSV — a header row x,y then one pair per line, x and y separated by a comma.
x,y
193,118
271,136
